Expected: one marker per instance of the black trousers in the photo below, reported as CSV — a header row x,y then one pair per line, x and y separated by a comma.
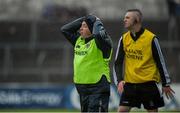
x,y
94,97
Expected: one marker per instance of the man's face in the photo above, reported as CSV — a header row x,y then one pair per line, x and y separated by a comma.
x,y
84,30
129,20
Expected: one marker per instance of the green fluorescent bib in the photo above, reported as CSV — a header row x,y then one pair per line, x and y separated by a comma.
x,y
89,64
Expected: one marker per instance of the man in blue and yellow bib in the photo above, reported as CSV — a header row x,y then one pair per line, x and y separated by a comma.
x,y
140,56
92,53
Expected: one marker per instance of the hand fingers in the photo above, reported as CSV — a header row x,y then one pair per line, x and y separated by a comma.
x,y
168,92
97,18
120,89
169,95
121,86
172,91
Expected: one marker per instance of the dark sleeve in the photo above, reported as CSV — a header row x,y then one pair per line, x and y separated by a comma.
x,y
70,30
159,59
118,64
102,39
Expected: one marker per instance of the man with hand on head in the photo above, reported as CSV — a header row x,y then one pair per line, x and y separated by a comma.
x,y
92,54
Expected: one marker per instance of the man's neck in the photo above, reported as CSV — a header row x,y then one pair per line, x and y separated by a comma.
x,y
136,35
136,29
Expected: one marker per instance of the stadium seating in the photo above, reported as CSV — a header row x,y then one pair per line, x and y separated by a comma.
x,y
49,32
15,32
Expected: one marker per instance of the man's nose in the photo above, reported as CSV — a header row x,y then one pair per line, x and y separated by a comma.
x,y
81,28
124,20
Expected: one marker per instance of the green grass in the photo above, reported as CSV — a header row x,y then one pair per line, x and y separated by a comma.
x,y
35,110
38,110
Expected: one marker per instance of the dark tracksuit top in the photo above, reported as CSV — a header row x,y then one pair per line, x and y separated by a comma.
x,y
102,40
157,56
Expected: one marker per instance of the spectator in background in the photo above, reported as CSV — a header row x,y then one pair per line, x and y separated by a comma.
x,y
140,54
92,54
174,13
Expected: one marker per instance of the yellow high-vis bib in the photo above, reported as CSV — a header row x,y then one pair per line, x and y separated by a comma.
x,y
140,66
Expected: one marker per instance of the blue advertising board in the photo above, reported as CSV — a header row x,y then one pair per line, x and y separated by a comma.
x,y
65,97
31,97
